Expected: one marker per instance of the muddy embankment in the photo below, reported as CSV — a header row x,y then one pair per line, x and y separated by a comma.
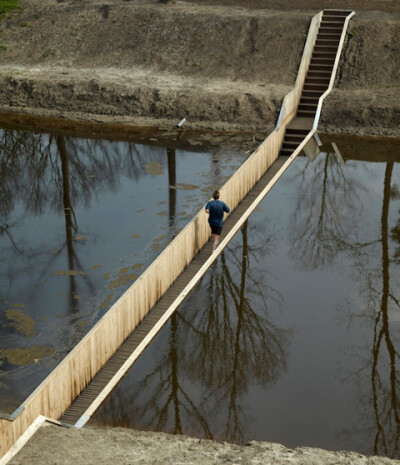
x,y
220,67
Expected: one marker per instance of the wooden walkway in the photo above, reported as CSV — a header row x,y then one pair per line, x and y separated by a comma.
x,y
98,362
102,384
319,78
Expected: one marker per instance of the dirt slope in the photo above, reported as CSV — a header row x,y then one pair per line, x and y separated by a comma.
x,y
223,66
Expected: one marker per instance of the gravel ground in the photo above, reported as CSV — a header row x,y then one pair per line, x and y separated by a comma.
x,y
90,446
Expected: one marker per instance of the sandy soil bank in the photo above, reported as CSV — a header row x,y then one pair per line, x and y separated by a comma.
x,y
221,67
59,446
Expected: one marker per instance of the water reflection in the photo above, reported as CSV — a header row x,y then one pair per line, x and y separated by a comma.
x,y
329,229
80,219
380,312
321,225
39,171
210,355
293,336
385,394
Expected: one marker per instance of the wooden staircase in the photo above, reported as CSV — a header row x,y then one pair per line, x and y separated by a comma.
x,y
317,79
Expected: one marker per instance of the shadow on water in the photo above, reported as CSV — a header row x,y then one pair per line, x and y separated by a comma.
x,y
293,335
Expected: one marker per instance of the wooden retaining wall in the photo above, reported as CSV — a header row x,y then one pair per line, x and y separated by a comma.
x,y
54,395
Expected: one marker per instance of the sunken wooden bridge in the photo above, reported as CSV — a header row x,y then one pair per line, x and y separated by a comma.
x,y
79,384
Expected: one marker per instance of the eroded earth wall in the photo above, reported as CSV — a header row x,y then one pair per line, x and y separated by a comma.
x,y
220,67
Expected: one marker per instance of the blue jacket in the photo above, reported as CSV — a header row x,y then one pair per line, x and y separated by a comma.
x,y
217,209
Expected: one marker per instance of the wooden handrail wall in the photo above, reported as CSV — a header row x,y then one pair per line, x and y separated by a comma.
x,y
54,395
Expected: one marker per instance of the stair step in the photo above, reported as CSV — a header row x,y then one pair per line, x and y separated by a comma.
x,y
286,153
311,93
323,44
322,61
330,54
317,82
294,138
314,100
326,77
325,48
296,131
316,60
337,11
331,27
306,114
336,17
315,85
328,36
308,106
320,87
330,30
289,144
337,20
332,18
326,57
319,72
327,42
321,67
327,22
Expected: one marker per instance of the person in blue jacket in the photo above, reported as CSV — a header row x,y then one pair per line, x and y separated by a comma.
x,y
216,208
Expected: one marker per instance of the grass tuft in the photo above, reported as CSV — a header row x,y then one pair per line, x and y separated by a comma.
x,y
6,6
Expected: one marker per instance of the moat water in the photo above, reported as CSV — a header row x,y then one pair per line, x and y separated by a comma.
x,y
293,336
80,219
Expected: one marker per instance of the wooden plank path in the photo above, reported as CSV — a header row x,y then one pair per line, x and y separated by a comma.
x,y
318,81
97,390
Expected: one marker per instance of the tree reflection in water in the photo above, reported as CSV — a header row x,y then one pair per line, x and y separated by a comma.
x,y
381,309
318,237
80,219
41,173
219,344
321,227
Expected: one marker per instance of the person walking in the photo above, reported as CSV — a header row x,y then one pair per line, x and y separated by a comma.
x,y
216,208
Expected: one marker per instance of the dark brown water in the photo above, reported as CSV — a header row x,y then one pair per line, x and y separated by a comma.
x,y
80,219
293,336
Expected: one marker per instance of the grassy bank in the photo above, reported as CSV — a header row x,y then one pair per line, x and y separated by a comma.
x,y
6,6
